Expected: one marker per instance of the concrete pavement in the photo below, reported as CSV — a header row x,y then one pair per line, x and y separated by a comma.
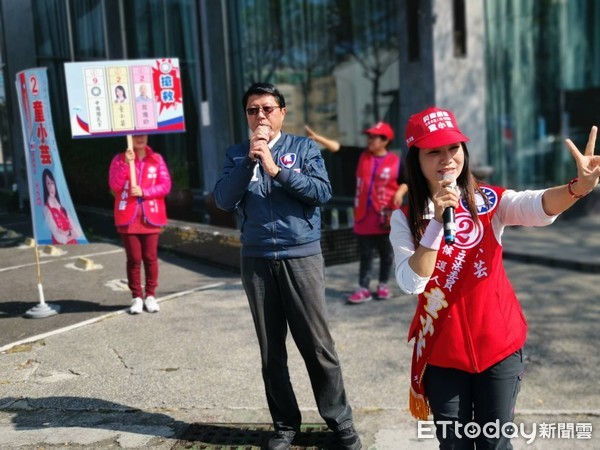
x,y
156,380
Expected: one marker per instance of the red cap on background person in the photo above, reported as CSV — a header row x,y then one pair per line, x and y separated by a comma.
x,y
381,129
432,128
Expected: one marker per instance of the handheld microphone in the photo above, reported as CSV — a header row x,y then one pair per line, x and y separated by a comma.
x,y
449,218
269,128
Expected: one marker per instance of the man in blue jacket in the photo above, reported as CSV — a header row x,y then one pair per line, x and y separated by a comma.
x,y
277,183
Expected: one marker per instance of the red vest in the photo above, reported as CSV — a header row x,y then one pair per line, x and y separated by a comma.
x,y
61,219
485,322
379,187
154,179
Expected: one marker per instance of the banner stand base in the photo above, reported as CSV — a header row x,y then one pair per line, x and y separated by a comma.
x,y
42,310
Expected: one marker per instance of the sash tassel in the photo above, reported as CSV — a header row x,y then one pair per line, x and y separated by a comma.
x,y
419,406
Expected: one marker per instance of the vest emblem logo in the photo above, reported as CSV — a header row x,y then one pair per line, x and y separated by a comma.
x,y
482,206
288,160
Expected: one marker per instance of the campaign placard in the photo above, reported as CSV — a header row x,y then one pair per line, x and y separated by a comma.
x,y
53,215
116,98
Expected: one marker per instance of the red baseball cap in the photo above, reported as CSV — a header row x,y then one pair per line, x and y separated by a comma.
x,y
381,129
432,128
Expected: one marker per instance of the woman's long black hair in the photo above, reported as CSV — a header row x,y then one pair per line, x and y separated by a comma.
x,y
48,173
419,194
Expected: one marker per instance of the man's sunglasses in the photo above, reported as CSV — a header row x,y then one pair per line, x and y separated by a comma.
x,y
265,109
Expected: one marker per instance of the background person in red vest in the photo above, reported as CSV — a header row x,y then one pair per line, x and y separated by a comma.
x,y
380,188
140,215
469,328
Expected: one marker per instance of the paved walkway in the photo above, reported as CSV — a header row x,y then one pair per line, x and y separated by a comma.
x,y
145,381
571,244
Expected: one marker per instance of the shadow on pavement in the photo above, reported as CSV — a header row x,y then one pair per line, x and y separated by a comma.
x,y
93,413
230,436
81,412
18,309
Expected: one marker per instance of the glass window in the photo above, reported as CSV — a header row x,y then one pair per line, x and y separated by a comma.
x,y
50,19
413,30
169,28
75,30
543,86
7,176
336,62
460,28
89,40
146,25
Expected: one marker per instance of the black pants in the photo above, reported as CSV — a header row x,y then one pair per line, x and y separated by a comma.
x,y
483,398
367,243
292,292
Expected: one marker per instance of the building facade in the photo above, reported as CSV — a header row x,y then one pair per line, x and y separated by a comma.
x,y
520,75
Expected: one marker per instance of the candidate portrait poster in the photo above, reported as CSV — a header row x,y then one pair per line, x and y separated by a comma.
x,y
124,97
52,211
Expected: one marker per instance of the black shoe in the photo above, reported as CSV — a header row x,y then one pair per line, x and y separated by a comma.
x,y
281,440
348,439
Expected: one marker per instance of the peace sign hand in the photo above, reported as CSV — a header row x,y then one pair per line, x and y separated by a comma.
x,y
588,164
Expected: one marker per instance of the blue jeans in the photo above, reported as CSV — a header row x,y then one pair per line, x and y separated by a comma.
x,y
463,397
291,292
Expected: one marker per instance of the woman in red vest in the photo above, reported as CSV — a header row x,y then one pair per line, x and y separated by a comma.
x,y
140,215
62,228
469,327
380,188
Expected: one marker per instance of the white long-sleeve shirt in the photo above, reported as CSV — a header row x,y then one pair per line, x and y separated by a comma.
x,y
516,208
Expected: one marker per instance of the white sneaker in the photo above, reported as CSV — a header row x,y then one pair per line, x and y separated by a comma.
x,y
137,306
151,305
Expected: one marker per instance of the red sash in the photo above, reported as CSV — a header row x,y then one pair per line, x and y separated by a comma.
x,y
432,310
452,269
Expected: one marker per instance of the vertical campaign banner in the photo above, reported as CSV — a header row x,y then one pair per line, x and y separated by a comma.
x,y
124,97
52,211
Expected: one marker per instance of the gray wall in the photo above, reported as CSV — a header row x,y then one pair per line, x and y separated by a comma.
x,y
460,81
441,79
417,86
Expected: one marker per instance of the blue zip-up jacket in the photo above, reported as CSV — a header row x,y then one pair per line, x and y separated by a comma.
x,y
280,217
